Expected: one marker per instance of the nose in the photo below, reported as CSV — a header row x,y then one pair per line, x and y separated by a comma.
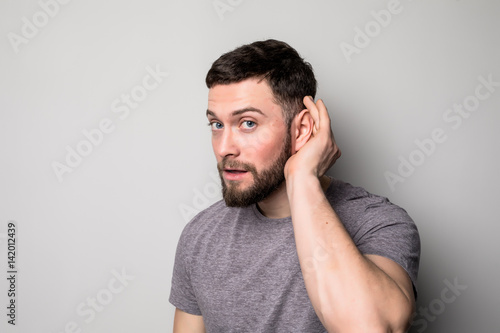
x,y
225,144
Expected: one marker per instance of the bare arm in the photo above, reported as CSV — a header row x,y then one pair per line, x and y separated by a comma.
x,y
188,323
350,292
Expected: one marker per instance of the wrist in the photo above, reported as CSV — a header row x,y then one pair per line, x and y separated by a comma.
x,y
305,177
293,173
301,181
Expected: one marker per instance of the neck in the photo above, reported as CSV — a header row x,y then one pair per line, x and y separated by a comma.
x,y
276,205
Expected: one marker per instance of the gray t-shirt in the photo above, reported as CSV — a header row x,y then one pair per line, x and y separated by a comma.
x,y
240,270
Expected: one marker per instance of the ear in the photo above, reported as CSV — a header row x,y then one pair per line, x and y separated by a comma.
x,y
301,129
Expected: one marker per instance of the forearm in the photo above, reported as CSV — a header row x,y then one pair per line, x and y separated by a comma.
x,y
187,323
348,291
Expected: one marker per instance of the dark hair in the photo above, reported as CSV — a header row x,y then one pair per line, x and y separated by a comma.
x,y
289,76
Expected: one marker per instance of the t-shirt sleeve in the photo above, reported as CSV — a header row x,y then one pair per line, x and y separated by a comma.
x,y
388,231
182,295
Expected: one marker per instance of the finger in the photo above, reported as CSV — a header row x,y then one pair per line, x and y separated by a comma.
x,y
324,117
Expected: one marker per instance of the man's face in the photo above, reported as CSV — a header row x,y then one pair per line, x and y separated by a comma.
x,y
250,140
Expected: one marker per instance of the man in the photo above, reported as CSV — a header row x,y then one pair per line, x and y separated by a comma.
x,y
288,249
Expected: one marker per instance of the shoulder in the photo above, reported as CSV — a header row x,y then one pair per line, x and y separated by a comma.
x,y
377,226
205,218
364,213
359,202
342,192
208,224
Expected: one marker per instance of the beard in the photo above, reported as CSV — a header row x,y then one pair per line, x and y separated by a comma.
x,y
265,182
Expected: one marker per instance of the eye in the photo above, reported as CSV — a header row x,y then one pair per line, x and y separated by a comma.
x,y
215,125
249,124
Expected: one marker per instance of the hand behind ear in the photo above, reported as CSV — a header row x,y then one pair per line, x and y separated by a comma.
x,y
302,129
315,146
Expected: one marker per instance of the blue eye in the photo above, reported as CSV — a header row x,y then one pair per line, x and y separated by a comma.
x,y
215,125
249,123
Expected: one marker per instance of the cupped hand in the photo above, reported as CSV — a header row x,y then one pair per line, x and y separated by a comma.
x,y
320,152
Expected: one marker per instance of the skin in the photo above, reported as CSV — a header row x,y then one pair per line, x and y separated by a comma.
x,y
350,292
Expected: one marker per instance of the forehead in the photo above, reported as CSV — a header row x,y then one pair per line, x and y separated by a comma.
x,y
255,93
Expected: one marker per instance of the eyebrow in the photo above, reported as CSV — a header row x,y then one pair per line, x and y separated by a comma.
x,y
238,112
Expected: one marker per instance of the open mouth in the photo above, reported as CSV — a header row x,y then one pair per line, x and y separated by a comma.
x,y
235,171
234,174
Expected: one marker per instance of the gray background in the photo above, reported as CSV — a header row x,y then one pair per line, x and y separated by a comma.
x,y
122,208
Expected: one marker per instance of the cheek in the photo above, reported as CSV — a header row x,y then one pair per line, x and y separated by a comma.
x,y
259,140
265,144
